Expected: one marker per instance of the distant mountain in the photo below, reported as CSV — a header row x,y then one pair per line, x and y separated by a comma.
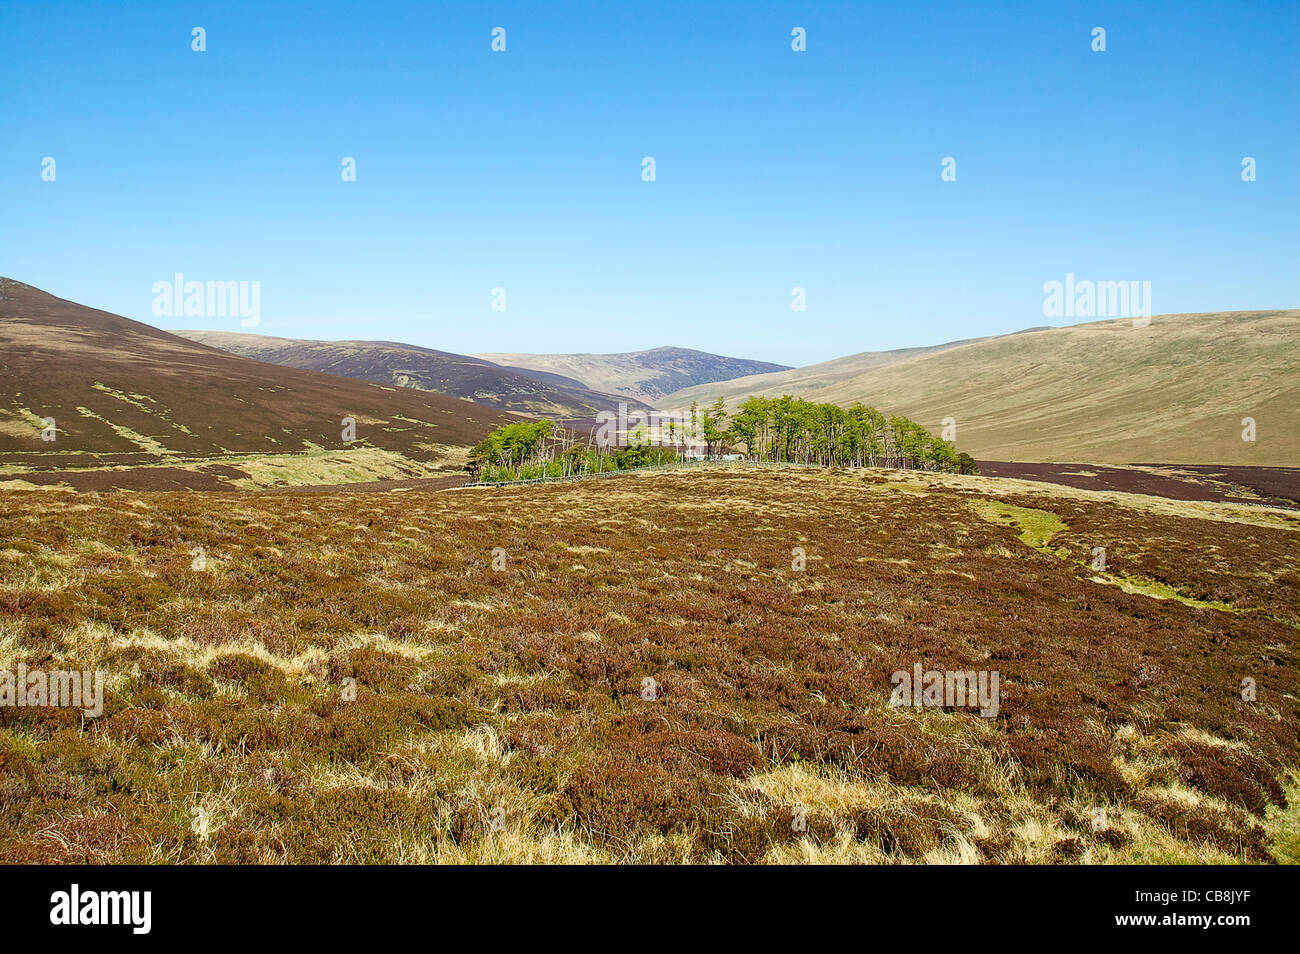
x,y
645,376
124,393
797,381
410,366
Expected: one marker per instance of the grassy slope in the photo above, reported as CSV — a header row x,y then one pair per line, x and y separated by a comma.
x,y
499,715
1174,391
797,381
1108,392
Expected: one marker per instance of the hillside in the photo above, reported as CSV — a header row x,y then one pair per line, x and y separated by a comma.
x,y
798,381
645,376
410,366
123,393
1174,391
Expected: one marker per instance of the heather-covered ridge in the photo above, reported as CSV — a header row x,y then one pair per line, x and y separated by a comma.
x,y
410,366
123,394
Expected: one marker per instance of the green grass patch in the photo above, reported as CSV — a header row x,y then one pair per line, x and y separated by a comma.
x,y
1037,527
1160,591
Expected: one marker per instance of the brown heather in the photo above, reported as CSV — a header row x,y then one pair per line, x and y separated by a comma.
x,y
499,715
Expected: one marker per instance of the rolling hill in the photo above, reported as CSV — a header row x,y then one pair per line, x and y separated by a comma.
x,y
1174,391
797,381
410,366
645,376
125,394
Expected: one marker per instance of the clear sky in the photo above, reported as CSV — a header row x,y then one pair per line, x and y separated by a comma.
x,y
774,168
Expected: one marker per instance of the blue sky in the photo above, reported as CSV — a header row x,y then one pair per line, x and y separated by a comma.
x,y
775,169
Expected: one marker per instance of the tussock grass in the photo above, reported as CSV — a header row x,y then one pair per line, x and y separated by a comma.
x,y
500,716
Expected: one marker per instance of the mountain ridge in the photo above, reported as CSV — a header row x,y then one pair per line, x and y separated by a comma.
x,y
645,376
418,367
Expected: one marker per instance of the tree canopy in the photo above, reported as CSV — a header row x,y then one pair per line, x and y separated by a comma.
x,y
784,429
792,429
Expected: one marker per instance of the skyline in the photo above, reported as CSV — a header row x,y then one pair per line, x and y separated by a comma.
x,y
775,169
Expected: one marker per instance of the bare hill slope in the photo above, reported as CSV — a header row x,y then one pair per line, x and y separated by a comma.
x,y
1173,391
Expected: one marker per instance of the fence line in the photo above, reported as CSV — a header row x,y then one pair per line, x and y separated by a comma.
x,y
634,470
